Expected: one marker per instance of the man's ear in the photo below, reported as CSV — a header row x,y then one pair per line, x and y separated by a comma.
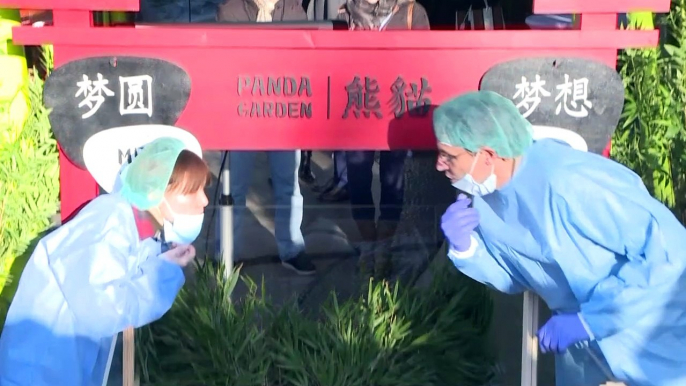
x,y
489,154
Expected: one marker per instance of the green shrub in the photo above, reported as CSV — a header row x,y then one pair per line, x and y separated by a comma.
x,y
391,336
651,137
29,180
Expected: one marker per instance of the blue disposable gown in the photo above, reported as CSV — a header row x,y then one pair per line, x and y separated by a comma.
x,y
85,282
583,233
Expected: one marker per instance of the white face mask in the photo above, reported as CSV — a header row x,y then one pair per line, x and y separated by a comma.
x,y
467,183
184,229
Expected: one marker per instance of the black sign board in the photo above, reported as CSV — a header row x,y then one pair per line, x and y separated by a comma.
x,y
95,94
580,95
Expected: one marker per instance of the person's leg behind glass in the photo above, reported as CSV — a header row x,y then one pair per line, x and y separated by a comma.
x,y
360,164
339,189
392,181
339,158
288,213
241,166
305,168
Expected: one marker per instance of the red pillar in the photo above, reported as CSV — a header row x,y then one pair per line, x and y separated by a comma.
x,y
606,22
77,186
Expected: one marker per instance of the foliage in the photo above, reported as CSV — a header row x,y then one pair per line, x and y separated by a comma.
x,y
29,182
393,335
652,133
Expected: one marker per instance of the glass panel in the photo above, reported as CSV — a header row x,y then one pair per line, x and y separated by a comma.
x,y
178,11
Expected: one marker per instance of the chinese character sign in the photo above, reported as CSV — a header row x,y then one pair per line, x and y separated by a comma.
x,y
528,94
91,95
279,97
580,95
571,99
135,94
410,99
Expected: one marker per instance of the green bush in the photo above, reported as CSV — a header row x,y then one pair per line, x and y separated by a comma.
x,y
29,180
651,137
393,336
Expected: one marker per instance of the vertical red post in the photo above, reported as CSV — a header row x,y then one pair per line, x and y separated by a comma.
x,y
77,186
601,22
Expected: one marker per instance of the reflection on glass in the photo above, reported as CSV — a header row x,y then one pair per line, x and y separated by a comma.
x,y
178,11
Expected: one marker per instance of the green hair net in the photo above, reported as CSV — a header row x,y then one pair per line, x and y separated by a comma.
x,y
483,118
146,179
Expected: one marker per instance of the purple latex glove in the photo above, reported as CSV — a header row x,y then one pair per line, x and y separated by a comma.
x,y
458,222
560,332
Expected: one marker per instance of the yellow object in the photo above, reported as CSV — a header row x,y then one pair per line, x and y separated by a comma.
x,y
641,20
14,105
6,46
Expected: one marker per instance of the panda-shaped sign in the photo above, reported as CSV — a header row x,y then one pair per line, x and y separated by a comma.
x,y
91,95
575,100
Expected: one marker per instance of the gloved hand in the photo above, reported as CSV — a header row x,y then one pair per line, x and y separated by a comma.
x,y
560,332
458,222
179,254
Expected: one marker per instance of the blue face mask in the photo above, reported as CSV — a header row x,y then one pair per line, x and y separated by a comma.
x,y
184,229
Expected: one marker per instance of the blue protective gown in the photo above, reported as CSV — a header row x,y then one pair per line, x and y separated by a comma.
x,y
583,233
85,282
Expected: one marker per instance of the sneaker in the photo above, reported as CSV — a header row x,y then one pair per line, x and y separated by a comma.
x,y
300,265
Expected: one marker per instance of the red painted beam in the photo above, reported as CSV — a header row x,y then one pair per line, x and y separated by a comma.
x,y
74,5
287,40
600,6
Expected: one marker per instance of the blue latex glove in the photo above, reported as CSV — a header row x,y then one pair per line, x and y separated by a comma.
x,y
560,332
458,222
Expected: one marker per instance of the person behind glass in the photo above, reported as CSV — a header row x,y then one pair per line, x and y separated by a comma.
x,y
305,172
379,15
283,164
336,188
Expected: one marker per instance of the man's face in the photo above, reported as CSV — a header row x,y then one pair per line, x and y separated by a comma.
x,y
456,162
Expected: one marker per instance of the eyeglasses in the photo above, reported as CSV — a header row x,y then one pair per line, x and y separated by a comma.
x,y
449,158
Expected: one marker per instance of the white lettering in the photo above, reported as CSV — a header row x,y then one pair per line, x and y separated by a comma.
x,y
578,89
92,92
136,95
530,94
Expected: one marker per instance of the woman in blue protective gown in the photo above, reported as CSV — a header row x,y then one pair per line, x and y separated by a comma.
x,y
579,230
97,275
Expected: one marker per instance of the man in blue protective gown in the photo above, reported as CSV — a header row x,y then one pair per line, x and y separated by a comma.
x,y
97,274
580,230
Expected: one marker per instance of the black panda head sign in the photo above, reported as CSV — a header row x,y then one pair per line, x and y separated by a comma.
x,y
90,95
583,96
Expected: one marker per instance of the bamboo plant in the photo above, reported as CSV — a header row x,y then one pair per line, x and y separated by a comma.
x,y
29,176
652,132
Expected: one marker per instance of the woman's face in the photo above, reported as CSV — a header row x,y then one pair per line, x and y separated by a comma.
x,y
185,204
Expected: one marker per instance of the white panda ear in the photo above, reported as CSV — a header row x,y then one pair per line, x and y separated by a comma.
x,y
573,139
108,152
